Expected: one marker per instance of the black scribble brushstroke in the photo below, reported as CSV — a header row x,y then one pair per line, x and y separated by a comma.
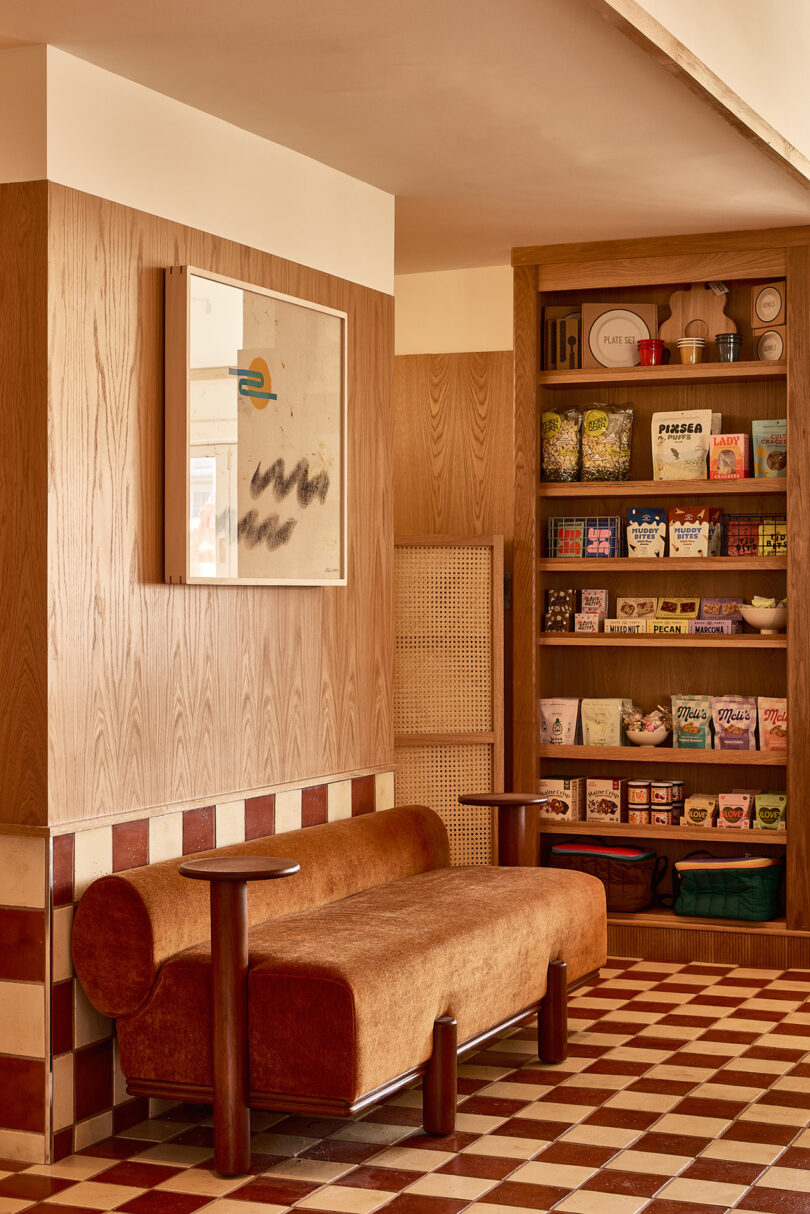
x,y
308,489
268,532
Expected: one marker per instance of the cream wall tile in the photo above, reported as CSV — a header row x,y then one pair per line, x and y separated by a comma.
x,y
120,1093
157,1105
339,800
165,837
62,1091
92,857
62,964
288,810
230,823
92,1130
88,1024
15,1144
23,863
384,790
22,1019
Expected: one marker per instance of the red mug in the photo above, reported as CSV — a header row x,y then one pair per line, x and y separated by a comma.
x,y
651,350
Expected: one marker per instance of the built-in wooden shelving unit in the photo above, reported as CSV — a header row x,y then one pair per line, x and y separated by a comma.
x,y
672,375
633,490
598,640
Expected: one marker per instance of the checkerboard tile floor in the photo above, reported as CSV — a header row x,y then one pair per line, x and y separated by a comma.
x,y
686,1091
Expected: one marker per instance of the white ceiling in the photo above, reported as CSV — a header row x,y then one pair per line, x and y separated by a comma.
x,y
495,124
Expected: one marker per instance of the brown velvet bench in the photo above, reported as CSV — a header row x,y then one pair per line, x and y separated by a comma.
x,y
373,965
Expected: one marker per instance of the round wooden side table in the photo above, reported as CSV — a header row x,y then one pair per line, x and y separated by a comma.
x,y
518,836
228,877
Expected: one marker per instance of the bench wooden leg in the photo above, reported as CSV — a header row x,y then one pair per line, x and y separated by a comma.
x,y
552,1019
441,1081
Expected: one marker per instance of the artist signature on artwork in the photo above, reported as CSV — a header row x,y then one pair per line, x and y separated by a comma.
x,y
271,531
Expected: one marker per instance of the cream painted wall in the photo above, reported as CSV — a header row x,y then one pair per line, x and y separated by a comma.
x,y
453,311
759,48
108,136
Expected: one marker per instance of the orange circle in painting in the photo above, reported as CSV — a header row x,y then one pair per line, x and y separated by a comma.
x,y
260,365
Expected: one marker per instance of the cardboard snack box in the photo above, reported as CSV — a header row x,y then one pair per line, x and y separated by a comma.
x,y
605,800
632,627
566,799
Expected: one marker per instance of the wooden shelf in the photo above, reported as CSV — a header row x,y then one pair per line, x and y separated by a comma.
x,y
673,373
667,754
668,920
739,640
772,486
664,564
626,830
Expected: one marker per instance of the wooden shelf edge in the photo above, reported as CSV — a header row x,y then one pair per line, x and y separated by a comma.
x,y
672,373
674,564
626,830
634,489
739,640
668,921
655,754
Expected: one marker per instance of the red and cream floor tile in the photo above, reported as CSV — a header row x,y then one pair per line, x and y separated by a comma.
x,y
686,1091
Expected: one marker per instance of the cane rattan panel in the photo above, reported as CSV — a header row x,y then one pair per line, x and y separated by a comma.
x,y
436,776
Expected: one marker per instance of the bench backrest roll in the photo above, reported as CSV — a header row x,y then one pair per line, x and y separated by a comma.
x,y
129,923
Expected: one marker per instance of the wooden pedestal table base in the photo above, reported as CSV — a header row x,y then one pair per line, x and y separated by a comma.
x,y
228,877
518,836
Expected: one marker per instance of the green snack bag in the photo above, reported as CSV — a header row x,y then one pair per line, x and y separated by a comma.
x,y
769,811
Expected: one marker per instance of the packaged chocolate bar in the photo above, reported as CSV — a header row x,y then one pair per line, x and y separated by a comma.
x,y
594,601
680,445
772,537
558,621
631,627
588,621
729,457
646,531
566,799
628,608
699,810
566,538
567,599
688,531
677,609
558,722
769,811
722,609
735,722
603,536
604,800
735,810
770,447
742,534
772,723
664,628
691,722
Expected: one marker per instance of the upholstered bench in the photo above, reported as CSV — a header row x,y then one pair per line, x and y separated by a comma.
x,y
352,962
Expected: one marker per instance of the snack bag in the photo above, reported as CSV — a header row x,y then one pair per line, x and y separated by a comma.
x,y
734,810
772,723
680,445
607,435
691,722
735,722
770,810
561,449
558,722
699,810
770,447
602,722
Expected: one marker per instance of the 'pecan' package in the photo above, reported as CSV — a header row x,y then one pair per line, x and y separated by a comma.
x,y
607,436
558,722
735,722
688,531
680,445
772,723
692,722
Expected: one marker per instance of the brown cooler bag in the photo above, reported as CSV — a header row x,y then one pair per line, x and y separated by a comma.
x,y
629,874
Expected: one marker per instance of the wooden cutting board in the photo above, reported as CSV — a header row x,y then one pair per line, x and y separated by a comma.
x,y
697,312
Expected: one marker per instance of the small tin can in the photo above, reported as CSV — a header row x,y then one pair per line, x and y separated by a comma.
x,y
660,792
677,790
677,809
661,817
638,792
638,817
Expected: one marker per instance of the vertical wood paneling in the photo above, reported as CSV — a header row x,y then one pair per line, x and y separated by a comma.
x,y
798,582
525,537
23,502
164,693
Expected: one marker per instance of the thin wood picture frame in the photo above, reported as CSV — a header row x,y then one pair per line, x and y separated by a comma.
x,y
256,435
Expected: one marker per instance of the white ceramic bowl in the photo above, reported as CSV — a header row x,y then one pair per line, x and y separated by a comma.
x,y
766,619
647,737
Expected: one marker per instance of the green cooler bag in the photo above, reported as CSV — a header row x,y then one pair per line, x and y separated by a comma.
x,y
730,887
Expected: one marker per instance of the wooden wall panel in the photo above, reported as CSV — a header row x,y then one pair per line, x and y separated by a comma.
x,y
23,502
164,693
453,445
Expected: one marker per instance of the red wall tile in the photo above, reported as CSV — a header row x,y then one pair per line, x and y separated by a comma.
x,y
93,1079
313,805
260,816
22,1082
198,830
62,870
130,841
22,945
62,1017
63,1144
362,795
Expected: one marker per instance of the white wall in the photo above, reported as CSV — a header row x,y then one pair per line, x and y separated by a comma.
x,y
453,311
118,140
759,48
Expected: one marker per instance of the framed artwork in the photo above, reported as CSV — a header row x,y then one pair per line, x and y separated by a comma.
x,y
255,478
